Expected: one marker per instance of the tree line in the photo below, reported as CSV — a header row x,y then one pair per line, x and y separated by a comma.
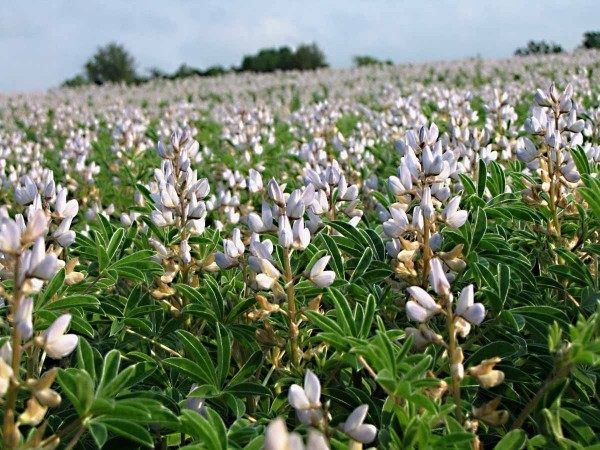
x,y
591,39
113,63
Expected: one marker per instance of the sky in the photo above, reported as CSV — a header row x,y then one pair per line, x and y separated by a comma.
x,y
43,42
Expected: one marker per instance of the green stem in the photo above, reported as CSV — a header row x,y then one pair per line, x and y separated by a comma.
x,y
426,252
289,284
11,399
76,438
543,390
452,352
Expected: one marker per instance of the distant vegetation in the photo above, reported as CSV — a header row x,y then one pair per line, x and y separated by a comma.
x,y
366,60
305,57
539,48
112,63
591,40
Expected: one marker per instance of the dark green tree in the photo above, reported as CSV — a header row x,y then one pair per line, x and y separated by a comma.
x,y
366,60
76,81
306,57
591,39
539,48
111,63
309,57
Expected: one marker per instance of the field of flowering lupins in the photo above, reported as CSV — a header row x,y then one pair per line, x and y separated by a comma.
x,y
385,257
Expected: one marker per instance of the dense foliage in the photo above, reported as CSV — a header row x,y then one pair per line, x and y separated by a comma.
x,y
539,48
591,39
111,63
366,60
388,257
305,57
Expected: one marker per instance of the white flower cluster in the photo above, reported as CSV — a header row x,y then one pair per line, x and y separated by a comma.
x,y
306,400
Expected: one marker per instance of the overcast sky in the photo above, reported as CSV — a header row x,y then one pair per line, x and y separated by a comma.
x,y
44,42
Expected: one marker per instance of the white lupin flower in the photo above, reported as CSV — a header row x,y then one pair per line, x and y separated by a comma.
x,y
301,235
23,318
6,352
267,274
37,225
285,234
254,181
437,277
423,336
26,193
423,308
427,204
307,400
397,225
320,277
474,313
432,163
295,205
526,151
57,344
356,429
184,252
275,193
63,235
452,216
41,265
195,403
6,373
262,223
278,438
570,172
63,208
10,236
542,99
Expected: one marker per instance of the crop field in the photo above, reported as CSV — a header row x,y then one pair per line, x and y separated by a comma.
x,y
387,257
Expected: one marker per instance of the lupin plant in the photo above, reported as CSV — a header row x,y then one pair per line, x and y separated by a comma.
x,y
555,119
178,197
29,262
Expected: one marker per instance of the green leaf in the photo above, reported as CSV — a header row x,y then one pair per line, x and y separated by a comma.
x,y
248,369
215,296
110,368
479,229
115,242
513,440
342,311
200,355
127,429
210,431
188,368
248,389
503,282
223,354
78,387
99,433
363,264
85,358
337,263
367,322
53,287
73,301
324,323
481,178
